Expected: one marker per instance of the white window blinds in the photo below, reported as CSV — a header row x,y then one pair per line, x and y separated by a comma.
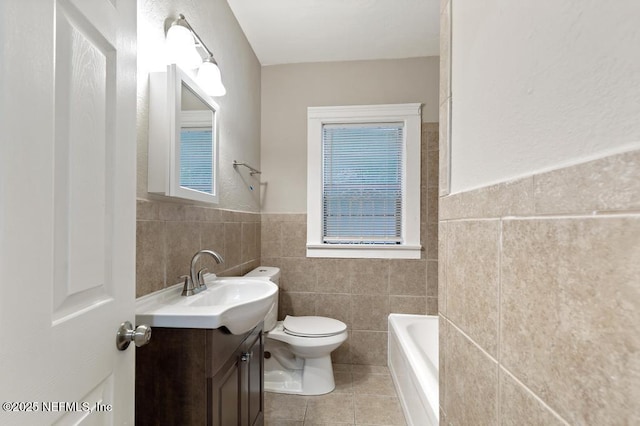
x,y
362,183
196,159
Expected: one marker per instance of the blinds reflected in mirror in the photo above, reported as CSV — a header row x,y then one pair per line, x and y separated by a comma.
x,y
196,159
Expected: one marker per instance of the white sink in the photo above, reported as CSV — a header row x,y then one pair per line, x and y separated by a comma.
x,y
236,303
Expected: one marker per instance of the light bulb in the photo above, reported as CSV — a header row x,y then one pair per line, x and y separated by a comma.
x,y
210,80
181,48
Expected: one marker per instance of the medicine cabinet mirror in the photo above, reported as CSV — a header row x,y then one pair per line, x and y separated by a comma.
x,y
183,138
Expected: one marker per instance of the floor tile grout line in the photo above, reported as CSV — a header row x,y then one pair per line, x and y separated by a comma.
x,y
354,396
306,407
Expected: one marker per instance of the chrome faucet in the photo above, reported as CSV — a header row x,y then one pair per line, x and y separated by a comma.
x,y
194,283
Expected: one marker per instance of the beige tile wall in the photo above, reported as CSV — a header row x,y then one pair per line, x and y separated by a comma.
x,y
445,98
540,298
169,234
360,292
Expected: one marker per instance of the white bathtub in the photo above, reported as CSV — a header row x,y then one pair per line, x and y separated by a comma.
x,y
413,362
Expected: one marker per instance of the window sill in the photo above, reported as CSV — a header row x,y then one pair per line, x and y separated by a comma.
x,y
367,252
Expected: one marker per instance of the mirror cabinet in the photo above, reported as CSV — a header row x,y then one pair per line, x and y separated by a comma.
x,y
183,138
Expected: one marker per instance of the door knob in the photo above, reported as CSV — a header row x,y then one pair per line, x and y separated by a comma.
x,y
140,336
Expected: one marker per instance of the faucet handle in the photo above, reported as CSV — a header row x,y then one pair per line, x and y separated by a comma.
x,y
189,288
201,273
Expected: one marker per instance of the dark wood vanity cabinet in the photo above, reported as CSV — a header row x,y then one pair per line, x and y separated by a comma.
x,y
236,389
200,377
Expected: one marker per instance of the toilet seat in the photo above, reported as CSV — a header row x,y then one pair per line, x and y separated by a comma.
x,y
307,343
313,326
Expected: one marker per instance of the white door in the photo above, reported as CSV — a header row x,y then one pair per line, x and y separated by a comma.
x,y
67,210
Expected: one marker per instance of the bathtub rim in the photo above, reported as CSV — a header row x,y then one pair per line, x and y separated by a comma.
x,y
423,375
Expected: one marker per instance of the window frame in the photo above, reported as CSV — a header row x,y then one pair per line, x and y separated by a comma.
x,y
410,115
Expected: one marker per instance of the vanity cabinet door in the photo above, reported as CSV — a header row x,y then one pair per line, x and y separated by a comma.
x,y
252,403
225,391
236,388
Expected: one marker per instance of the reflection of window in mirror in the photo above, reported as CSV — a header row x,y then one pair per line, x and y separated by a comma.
x,y
196,159
196,144
183,138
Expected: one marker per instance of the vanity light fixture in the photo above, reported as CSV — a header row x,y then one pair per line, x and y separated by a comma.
x,y
210,79
181,48
182,45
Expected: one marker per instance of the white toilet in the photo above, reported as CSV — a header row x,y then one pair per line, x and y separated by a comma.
x,y
298,349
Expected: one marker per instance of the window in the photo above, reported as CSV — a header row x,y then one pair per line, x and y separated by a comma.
x,y
362,194
363,197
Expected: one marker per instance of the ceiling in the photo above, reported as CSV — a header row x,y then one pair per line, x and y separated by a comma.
x,y
295,31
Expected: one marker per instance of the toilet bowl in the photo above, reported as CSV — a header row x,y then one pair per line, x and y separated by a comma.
x,y
298,349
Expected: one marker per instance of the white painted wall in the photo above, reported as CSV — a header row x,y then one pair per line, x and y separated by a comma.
x,y
287,91
240,108
539,85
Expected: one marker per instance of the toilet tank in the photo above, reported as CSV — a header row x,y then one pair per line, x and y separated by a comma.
x,y
273,274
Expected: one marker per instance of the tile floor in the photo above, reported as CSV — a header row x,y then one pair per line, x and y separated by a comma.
x,y
364,395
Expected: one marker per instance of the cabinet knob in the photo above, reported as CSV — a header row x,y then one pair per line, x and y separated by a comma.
x,y
246,356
